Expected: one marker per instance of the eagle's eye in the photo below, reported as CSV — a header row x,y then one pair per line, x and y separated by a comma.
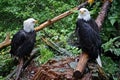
x,y
33,21
84,10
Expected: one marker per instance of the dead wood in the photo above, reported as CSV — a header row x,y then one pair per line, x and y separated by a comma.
x,y
54,46
81,66
102,14
56,70
63,70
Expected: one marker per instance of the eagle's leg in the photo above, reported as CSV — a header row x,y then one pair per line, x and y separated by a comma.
x,y
19,69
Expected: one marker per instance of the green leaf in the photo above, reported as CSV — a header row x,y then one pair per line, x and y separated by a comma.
x,y
108,45
112,21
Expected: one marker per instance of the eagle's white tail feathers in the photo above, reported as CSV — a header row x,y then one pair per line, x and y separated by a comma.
x,y
99,61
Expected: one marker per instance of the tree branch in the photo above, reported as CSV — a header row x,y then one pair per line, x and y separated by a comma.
x,y
6,42
57,48
102,14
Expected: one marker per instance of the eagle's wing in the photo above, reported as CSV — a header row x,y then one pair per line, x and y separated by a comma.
x,y
27,46
90,40
17,41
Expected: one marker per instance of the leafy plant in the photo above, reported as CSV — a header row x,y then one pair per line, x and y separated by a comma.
x,y
45,54
110,67
112,45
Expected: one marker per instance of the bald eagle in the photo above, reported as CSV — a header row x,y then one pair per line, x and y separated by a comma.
x,y
88,35
23,41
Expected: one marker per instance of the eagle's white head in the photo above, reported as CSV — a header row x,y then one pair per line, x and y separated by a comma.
x,y
84,14
28,25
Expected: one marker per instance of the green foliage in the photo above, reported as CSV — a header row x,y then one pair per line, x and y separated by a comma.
x,y
6,64
114,15
45,54
112,45
109,67
1,78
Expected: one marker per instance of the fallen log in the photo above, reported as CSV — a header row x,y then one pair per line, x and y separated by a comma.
x,y
48,22
63,70
84,56
81,66
56,70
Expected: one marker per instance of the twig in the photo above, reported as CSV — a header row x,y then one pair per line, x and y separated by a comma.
x,y
11,74
19,69
57,48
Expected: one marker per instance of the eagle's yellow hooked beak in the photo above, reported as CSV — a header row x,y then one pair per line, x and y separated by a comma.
x,y
36,21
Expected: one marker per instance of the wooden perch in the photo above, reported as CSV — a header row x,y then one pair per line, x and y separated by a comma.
x,y
81,65
84,56
49,22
